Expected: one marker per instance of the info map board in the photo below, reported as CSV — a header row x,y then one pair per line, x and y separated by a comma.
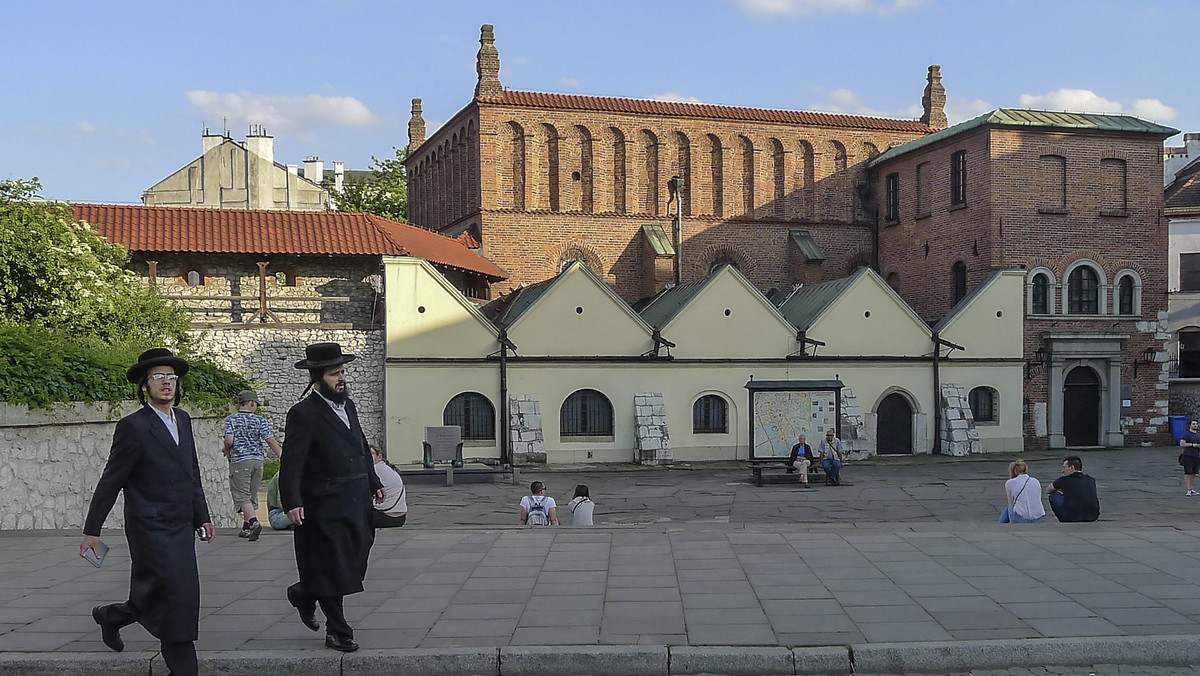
x,y
782,410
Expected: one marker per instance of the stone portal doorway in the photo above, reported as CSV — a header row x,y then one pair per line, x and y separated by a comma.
x,y
894,434
1081,407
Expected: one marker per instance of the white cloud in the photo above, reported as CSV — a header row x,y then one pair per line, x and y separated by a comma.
x,y
959,109
83,126
801,7
569,82
283,113
1087,101
675,97
846,101
519,60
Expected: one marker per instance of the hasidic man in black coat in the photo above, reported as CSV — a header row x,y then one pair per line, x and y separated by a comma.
x,y
153,459
326,483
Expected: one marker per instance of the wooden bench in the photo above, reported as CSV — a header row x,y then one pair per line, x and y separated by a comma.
x,y
757,466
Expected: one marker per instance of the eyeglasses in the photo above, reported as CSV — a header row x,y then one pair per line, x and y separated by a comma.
x,y
159,377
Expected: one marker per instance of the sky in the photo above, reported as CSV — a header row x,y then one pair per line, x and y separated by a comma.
x,y
101,100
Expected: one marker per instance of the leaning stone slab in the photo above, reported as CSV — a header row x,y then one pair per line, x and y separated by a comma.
x,y
732,661
584,661
424,662
941,657
55,664
260,663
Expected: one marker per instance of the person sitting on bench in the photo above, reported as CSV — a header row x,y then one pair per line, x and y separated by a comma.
x,y
801,459
830,451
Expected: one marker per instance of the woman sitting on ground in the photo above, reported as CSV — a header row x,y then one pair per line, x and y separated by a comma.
x,y
392,512
1024,496
581,507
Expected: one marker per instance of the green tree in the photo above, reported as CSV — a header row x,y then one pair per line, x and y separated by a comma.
x,y
384,193
57,273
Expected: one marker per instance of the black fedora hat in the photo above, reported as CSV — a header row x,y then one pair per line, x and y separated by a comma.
x,y
159,356
324,355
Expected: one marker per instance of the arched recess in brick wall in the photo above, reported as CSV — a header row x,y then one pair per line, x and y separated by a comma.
x,y
778,179
1052,172
746,148
437,207
648,190
838,197
587,193
616,138
453,181
866,154
805,180
512,167
683,169
716,175
712,257
548,169
858,259
576,251
472,165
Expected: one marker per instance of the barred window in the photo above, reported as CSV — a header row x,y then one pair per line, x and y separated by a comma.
x,y
1083,292
1041,294
474,414
983,404
893,197
1125,296
586,413
709,415
958,177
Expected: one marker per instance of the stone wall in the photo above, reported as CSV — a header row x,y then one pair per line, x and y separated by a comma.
x,y
653,439
51,460
958,434
267,356
525,429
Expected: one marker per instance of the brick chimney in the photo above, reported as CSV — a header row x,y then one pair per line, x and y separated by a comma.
x,y
934,100
416,127
487,65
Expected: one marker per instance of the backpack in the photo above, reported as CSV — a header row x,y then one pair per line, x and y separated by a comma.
x,y
537,511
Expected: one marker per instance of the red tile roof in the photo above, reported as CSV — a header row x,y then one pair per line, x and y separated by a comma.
x,y
230,231
677,109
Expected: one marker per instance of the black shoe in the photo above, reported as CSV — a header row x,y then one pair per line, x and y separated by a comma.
x,y
306,612
346,645
110,634
255,530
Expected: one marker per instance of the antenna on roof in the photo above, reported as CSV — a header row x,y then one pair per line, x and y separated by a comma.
x,y
224,126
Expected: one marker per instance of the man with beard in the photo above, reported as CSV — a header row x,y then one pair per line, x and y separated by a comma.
x,y
153,459
326,482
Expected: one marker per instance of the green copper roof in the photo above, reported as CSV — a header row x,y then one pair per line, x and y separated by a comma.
x,y
803,306
670,302
1043,119
658,239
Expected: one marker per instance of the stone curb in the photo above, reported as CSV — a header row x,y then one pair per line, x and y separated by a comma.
x,y
935,657
880,658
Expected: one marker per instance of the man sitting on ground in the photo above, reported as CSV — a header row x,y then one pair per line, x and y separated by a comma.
x,y
538,509
802,458
1072,496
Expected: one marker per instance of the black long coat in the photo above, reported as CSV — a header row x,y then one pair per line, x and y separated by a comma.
x,y
326,468
164,505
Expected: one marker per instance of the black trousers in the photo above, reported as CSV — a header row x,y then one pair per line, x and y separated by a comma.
x,y
180,656
331,606
384,521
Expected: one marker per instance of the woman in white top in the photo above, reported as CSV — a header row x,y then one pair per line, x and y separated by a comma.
x,y
581,507
1024,496
392,512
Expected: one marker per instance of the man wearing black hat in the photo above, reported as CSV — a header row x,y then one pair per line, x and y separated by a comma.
x,y
326,483
153,460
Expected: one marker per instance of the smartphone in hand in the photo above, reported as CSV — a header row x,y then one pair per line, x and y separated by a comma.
x,y
91,556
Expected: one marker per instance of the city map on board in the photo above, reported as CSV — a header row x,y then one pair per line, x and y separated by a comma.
x,y
780,417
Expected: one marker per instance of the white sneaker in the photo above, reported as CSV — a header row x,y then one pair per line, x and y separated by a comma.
x,y
1191,493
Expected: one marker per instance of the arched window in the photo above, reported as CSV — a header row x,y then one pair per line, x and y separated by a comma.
x,y
709,415
586,413
474,414
1040,293
1083,292
193,277
983,405
958,276
1125,296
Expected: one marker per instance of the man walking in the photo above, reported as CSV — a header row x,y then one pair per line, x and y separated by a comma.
x,y
245,432
1073,496
153,460
326,482
1191,456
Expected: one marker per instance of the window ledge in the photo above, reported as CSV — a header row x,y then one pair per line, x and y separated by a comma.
x,y
584,439
923,216
987,423
1114,213
479,443
891,221
957,207
1059,211
710,431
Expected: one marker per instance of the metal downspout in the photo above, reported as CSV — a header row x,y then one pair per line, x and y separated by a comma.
x,y
937,393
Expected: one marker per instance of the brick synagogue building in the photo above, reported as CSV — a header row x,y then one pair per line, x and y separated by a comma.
x,y
538,180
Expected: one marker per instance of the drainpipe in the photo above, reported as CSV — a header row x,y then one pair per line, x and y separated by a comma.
x,y
674,187
937,392
506,442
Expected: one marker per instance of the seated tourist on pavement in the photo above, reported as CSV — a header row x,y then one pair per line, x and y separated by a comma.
x,y
581,507
801,459
830,452
1024,495
537,508
275,514
393,511
1073,495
